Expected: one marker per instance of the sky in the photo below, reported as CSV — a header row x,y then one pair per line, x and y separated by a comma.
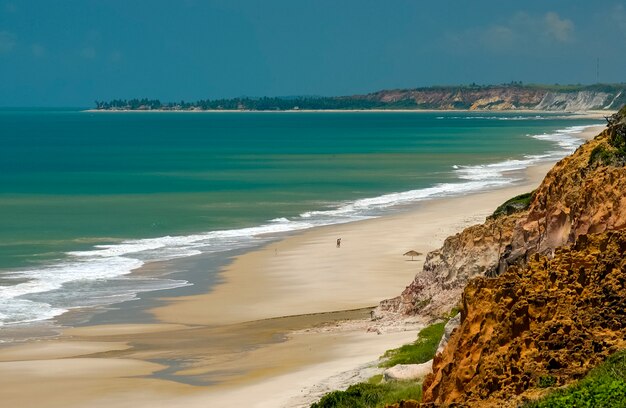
x,y
72,52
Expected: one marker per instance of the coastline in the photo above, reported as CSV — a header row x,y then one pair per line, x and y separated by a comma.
x,y
290,281
586,114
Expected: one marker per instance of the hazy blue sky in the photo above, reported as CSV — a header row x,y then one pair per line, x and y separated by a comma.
x,y
68,53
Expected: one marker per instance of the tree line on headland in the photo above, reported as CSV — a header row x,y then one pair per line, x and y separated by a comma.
x,y
244,103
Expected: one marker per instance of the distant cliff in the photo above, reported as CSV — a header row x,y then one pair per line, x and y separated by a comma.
x,y
539,97
471,97
542,290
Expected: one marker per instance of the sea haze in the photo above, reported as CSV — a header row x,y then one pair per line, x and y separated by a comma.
x,y
86,198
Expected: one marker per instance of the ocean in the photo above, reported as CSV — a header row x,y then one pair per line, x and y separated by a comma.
x,y
88,197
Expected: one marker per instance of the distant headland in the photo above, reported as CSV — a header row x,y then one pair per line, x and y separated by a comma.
x,y
511,96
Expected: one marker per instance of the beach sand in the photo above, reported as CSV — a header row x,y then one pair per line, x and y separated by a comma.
x,y
271,334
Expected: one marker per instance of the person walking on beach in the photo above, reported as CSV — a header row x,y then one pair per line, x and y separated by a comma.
x,y
338,242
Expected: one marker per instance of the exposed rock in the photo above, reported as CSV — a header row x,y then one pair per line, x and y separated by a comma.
x,y
574,101
452,324
555,317
498,98
578,196
404,372
473,252
491,98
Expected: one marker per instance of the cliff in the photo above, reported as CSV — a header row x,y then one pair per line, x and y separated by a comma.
x,y
581,194
549,322
506,97
474,252
473,98
542,290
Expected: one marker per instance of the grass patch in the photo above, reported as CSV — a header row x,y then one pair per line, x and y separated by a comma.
x,y
604,386
515,204
375,393
364,395
376,379
420,351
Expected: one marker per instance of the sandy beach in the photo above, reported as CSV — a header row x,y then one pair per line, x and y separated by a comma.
x,y
271,334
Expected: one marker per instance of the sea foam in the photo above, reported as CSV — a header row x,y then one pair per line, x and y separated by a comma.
x,y
102,274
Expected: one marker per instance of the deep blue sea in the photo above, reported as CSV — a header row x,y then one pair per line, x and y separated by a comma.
x,y
85,198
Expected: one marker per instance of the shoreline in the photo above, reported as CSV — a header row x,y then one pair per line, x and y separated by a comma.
x,y
269,349
585,114
274,374
269,230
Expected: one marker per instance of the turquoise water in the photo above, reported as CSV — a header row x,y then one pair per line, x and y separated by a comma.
x,y
87,197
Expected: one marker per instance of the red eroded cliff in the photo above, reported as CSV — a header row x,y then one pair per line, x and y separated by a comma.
x,y
557,317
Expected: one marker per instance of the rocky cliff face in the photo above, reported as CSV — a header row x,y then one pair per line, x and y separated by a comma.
x,y
493,98
582,194
574,101
474,252
554,319
548,294
503,98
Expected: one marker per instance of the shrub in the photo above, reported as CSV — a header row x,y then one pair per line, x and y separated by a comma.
x,y
364,395
546,381
515,204
613,154
605,386
600,154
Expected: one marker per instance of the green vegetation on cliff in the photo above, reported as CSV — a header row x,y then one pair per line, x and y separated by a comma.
x,y
605,386
515,204
613,151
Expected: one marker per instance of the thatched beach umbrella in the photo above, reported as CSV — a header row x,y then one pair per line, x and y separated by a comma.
x,y
412,253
